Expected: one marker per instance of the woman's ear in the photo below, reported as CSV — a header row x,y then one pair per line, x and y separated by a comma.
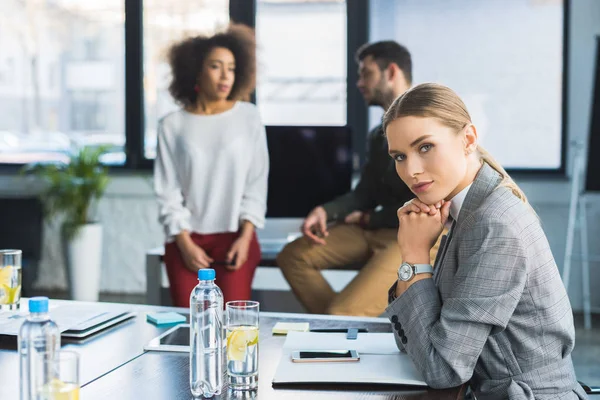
x,y
470,139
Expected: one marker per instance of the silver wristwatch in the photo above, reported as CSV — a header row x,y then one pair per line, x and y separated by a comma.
x,y
407,271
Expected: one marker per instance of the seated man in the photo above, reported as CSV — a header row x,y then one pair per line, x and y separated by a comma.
x,y
366,217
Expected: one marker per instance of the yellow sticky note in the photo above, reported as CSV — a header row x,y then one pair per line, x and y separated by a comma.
x,y
282,328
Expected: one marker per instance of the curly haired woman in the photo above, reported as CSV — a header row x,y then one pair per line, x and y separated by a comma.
x,y
212,163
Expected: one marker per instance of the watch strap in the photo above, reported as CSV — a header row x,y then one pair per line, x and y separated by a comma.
x,y
423,269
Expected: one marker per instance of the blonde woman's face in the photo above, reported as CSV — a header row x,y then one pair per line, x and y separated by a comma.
x,y
431,158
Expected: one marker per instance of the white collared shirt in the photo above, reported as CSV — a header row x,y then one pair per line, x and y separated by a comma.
x,y
457,202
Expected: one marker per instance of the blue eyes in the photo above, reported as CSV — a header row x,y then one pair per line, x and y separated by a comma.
x,y
422,149
425,148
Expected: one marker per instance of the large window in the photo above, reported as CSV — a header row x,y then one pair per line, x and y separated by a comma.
x,y
166,22
503,57
301,62
66,80
61,78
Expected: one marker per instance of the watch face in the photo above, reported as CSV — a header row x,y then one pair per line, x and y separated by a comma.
x,y
405,272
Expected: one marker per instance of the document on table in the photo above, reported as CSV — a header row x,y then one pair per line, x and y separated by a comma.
x,y
65,316
380,361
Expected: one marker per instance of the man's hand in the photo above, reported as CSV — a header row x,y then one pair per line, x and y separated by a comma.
x,y
354,217
359,218
315,225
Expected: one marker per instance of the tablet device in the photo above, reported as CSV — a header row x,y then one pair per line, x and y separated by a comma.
x,y
176,339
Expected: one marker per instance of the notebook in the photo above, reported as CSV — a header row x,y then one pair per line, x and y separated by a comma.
x,y
380,361
282,328
165,318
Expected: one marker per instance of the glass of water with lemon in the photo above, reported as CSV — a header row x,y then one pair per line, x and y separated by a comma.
x,y
63,377
10,279
242,344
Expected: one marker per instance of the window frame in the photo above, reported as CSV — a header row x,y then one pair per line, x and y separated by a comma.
x,y
244,11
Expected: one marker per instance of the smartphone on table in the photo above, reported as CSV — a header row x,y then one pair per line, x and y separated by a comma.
x,y
324,356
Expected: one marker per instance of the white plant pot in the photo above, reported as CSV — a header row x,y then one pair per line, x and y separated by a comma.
x,y
83,256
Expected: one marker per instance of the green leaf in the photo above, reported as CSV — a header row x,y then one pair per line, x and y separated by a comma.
x,y
70,188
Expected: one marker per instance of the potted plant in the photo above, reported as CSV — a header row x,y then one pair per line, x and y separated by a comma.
x,y
72,191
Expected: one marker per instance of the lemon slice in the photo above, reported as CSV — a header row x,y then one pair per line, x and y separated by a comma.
x,y
12,293
57,384
8,294
59,390
238,341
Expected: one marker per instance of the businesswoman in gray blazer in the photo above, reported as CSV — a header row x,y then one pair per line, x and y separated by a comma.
x,y
493,312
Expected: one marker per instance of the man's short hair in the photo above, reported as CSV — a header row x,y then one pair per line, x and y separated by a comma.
x,y
386,52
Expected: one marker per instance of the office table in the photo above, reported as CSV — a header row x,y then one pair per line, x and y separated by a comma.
x,y
114,365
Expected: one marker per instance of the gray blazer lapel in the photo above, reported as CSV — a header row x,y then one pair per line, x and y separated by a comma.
x,y
437,266
441,249
441,255
485,182
438,256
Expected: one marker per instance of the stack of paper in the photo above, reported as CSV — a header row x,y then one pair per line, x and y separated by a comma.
x,y
380,361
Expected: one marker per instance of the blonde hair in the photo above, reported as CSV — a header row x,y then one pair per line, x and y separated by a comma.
x,y
431,100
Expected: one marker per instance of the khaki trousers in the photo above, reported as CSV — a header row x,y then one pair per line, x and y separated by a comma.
x,y
367,294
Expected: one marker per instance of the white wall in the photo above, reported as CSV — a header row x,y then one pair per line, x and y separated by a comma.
x,y
551,198
502,57
128,211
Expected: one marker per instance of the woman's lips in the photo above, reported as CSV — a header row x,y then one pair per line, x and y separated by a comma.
x,y
421,187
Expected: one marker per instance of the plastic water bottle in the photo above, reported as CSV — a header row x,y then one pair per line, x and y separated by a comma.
x,y
39,341
206,336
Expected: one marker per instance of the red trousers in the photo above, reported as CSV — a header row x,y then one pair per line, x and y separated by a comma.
x,y
236,285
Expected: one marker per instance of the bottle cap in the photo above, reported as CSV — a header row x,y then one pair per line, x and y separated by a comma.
x,y
206,274
38,304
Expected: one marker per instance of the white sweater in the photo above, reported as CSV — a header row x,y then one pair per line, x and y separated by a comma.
x,y
211,171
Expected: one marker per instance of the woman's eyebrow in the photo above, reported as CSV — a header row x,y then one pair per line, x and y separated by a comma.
x,y
419,140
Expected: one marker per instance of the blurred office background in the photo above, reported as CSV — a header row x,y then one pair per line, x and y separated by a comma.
x,y
93,72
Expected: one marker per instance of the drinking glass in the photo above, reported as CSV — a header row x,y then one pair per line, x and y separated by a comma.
x,y
242,344
63,378
10,279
